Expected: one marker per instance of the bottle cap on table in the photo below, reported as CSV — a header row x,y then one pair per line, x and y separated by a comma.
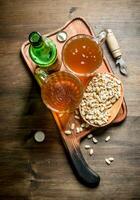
x,y
39,136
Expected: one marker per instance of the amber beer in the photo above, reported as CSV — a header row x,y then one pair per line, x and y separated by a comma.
x,y
82,54
60,91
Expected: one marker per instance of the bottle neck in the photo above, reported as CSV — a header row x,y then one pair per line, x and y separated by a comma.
x,y
36,39
42,52
40,76
40,45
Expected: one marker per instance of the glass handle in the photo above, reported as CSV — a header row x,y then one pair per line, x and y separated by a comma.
x,y
101,37
40,76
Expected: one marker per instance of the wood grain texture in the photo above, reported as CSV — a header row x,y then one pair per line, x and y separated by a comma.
x,y
41,171
83,172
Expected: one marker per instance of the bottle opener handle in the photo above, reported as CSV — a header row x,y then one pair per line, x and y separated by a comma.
x,y
113,44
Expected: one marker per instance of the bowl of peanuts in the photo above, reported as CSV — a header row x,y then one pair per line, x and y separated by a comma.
x,y
102,99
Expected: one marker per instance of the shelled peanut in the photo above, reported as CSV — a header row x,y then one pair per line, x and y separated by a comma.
x,y
101,93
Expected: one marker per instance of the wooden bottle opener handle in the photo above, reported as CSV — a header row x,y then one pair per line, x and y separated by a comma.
x,y
113,44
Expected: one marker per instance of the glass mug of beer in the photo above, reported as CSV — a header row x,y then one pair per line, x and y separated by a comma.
x,y
82,54
61,91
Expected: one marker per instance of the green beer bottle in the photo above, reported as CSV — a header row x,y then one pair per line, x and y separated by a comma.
x,y
42,51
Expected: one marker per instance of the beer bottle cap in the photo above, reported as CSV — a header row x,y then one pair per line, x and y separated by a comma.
x,y
39,136
61,36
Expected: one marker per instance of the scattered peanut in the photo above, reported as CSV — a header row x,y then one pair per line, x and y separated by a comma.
x,y
89,136
76,112
95,140
111,159
107,138
107,161
77,130
87,146
76,117
80,129
83,125
72,126
68,132
91,152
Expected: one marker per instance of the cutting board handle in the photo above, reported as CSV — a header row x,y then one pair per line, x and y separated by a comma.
x,y
81,169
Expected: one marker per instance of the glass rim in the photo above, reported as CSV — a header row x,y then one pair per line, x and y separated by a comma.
x,y
63,60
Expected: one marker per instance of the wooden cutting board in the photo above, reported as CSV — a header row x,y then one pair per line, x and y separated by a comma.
x,y
72,142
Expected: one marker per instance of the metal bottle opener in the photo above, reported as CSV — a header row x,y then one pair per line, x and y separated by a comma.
x,y
116,52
